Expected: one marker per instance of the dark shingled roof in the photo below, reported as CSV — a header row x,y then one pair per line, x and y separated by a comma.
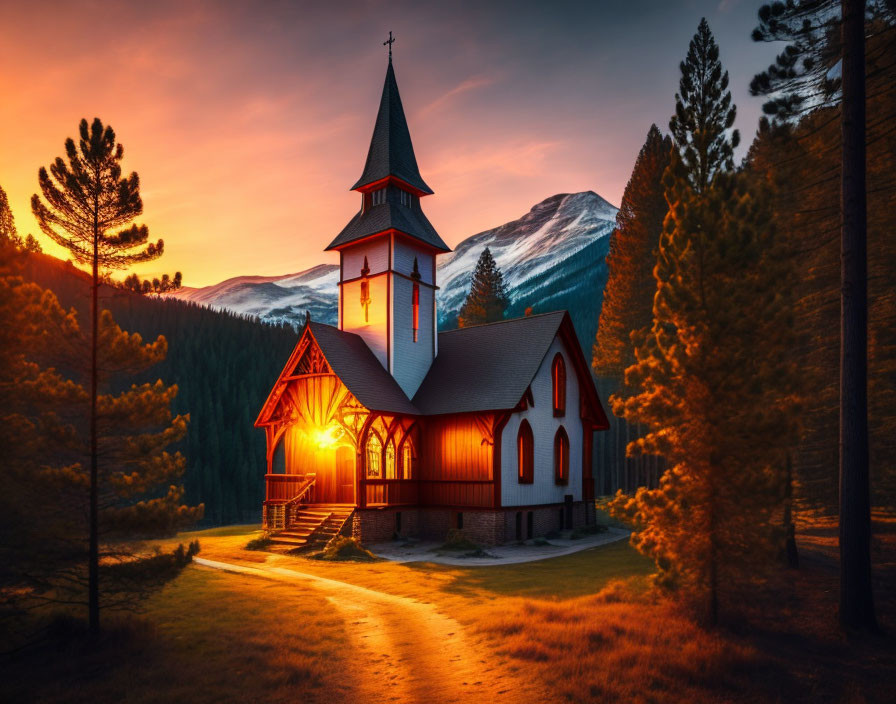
x,y
389,216
486,367
355,364
391,152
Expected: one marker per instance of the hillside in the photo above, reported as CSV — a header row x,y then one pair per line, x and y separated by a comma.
x,y
223,364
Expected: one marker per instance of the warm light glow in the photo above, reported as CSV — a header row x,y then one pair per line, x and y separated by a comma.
x,y
329,437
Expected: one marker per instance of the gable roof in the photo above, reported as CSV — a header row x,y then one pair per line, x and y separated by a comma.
x,y
490,367
356,366
391,152
390,216
480,368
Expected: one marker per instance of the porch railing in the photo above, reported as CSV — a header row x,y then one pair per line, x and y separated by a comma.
x,y
284,494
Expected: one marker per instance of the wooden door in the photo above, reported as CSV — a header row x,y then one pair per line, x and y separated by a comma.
x,y
345,475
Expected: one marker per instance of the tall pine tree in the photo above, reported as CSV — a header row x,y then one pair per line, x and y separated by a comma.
x,y
628,296
90,210
487,299
708,376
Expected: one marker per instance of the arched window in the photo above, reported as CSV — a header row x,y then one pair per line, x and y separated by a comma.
x,y
558,376
561,457
374,456
407,459
525,453
391,469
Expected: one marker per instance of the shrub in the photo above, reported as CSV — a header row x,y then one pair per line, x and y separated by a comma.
x,y
262,542
457,541
345,549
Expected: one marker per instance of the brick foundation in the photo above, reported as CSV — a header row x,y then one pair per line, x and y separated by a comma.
x,y
486,527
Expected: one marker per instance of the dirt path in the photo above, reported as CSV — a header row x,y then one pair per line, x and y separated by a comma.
x,y
406,650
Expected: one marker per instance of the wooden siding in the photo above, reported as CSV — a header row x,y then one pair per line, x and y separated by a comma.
x,y
282,487
454,450
457,494
544,425
394,492
456,466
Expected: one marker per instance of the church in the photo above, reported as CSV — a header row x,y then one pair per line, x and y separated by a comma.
x,y
383,426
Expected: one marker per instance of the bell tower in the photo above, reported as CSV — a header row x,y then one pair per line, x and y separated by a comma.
x,y
388,250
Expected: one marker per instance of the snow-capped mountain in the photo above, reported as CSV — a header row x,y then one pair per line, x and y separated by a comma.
x,y
274,298
551,257
527,250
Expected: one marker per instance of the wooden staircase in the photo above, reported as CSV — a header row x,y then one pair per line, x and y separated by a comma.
x,y
310,527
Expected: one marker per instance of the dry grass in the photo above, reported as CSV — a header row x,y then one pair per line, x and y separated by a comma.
x,y
601,649
583,625
207,637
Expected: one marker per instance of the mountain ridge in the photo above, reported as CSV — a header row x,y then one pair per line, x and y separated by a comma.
x,y
535,252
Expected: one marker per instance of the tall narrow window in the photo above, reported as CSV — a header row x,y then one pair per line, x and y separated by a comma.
x,y
558,376
391,472
415,298
379,196
365,290
561,457
525,453
407,459
416,308
374,456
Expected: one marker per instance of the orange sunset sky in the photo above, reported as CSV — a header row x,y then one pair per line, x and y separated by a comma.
x,y
248,121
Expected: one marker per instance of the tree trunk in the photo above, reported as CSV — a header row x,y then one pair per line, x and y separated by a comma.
x,y
791,556
856,598
93,590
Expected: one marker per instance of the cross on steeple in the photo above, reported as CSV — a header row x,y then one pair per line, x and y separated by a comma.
x,y
390,41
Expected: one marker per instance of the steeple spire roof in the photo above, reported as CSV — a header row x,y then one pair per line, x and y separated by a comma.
x,y
391,151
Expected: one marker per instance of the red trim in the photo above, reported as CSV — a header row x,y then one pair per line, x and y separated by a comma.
x,y
594,409
279,385
389,306
341,277
528,474
393,180
387,271
418,242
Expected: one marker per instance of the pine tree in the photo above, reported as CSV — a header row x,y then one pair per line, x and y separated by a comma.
x,y
43,506
704,114
9,236
709,372
487,299
90,210
628,296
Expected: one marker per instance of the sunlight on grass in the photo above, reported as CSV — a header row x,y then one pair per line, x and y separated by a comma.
x,y
564,577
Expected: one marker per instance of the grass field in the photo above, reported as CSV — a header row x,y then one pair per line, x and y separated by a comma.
x,y
575,628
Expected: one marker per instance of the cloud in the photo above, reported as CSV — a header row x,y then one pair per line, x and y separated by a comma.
x,y
444,100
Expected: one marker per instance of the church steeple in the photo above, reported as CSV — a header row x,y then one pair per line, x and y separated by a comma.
x,y
388,250
391,152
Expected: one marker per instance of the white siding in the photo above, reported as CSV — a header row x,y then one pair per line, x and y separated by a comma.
x,y
410,360
544,425
376,251
403,260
